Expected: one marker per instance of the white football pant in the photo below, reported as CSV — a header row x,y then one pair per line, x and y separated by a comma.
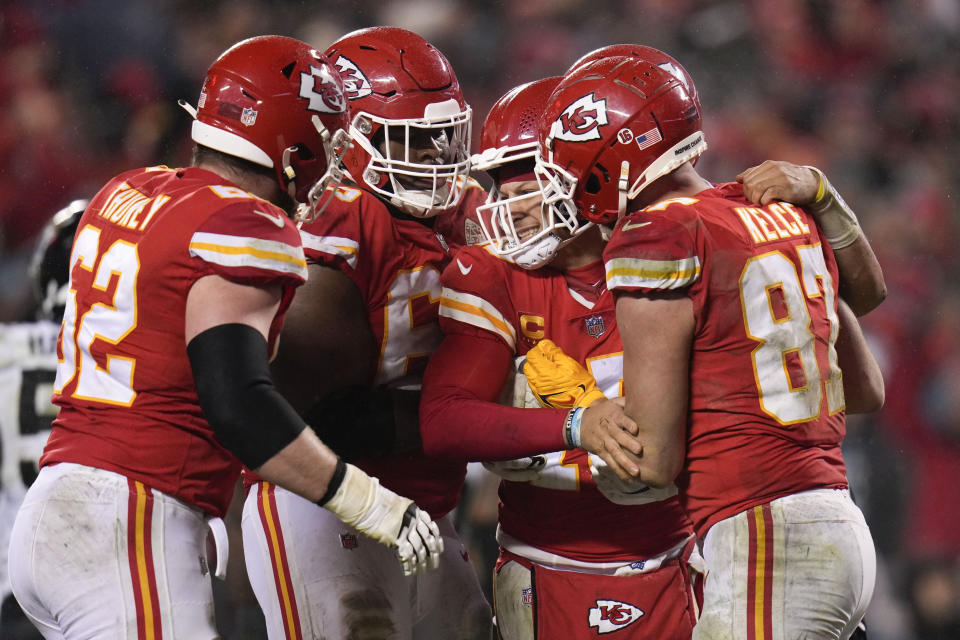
x,y
94,554
316,577
800,567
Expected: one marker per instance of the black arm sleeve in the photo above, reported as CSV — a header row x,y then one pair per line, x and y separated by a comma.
x,y
358,421
232,377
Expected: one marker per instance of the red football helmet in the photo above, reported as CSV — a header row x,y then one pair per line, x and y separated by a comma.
x,y
508,143
278,103
657,57
611,128
410,124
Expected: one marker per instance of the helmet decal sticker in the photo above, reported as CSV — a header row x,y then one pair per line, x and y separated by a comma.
x,y
649,138
322,90
690,145
581,120
355,83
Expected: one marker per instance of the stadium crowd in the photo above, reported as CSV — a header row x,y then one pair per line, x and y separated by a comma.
x,y
865,89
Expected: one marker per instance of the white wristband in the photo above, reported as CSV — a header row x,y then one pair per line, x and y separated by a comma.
x,y
574,421
835,217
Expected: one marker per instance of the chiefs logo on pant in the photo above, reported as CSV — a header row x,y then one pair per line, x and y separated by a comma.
x,y
610,615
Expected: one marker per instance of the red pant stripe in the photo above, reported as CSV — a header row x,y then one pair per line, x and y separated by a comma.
x,y
760,573
140,556
267,506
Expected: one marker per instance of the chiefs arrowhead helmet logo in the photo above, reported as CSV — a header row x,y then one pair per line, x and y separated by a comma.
x,y
355,83
322,90
581,120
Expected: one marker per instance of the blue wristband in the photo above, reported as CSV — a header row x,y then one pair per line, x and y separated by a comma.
x,y
576,416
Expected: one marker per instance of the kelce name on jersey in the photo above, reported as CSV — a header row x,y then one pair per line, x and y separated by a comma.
x,y
125,206
776,221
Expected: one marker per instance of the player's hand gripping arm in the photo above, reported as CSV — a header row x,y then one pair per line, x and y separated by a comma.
x,y
861,278
226,331
594,423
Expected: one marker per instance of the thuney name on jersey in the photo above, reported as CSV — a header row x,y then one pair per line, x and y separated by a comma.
x,y
126,205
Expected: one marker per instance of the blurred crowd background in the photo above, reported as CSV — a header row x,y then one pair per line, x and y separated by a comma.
x,y
868,90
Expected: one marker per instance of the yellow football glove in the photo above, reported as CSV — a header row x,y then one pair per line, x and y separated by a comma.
x,y
557,380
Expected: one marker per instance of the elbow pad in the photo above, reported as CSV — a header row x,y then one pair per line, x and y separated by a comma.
x,y
232,377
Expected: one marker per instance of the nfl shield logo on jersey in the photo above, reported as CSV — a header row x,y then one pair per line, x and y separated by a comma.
x,y
473,233
349,541
610,615
595,326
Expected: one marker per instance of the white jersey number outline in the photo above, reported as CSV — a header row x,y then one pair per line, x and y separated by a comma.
x,y
110,323
791,334
403,340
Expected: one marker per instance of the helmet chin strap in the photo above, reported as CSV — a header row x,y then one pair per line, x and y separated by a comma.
x,y
289,174
539,253
419,203
189,108
415,202
623,187
545,250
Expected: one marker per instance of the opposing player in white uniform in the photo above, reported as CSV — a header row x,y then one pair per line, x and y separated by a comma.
x,y
179,281
356,340
28,365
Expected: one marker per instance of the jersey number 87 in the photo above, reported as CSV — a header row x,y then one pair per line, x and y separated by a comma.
x,y
786,337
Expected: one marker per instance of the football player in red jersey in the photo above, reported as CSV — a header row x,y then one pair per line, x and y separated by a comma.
x,y
581,552
733,326
179,280
537,282
370,307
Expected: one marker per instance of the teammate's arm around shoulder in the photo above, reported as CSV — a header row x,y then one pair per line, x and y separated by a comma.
x,y
226,330
657,333
861,277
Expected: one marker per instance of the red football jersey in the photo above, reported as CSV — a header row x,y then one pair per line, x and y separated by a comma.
x,y
396,262
124,383
572,518
766,413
